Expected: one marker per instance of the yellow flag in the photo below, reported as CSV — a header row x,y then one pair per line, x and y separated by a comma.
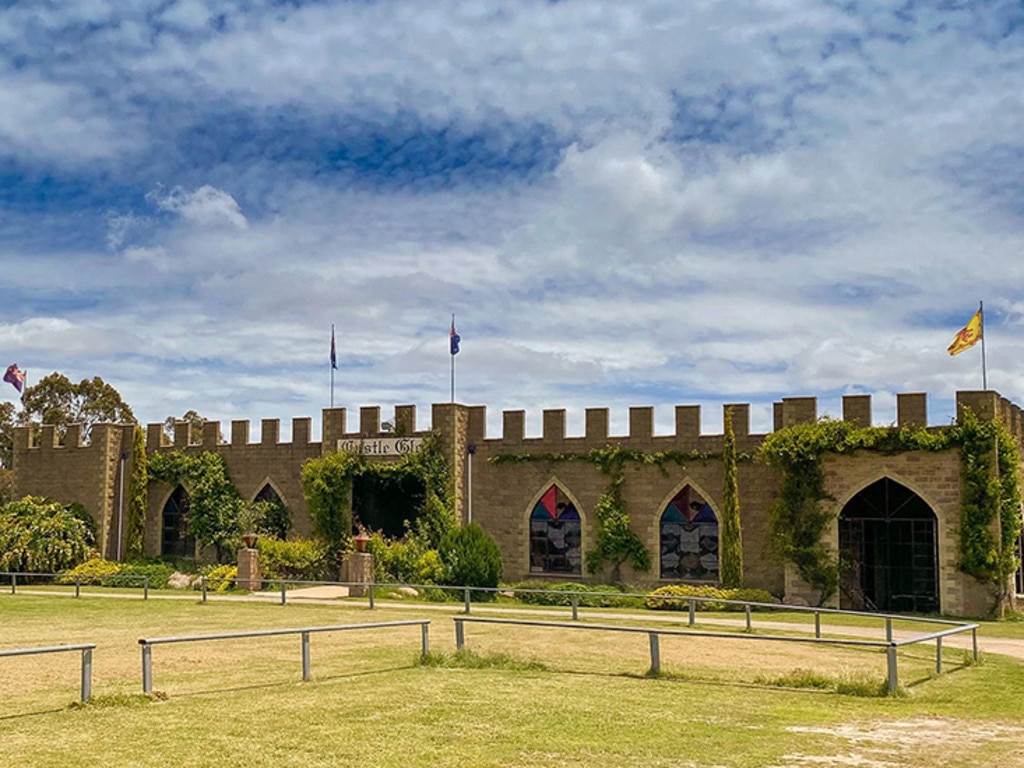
x,y
967,336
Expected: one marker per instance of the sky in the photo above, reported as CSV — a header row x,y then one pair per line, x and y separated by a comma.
x,y
633,203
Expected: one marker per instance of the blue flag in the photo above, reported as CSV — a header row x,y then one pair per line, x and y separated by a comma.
x,y
453,339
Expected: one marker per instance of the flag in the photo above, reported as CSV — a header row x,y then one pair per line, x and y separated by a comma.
x,y
334,356
969,335
453,339
15,376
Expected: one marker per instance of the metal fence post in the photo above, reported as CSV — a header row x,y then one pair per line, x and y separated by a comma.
x,y
425,637
284,598
14,582
78,585
575,608
305,655
86,674
370,592
938,655
460,635
466,590
888,630
890,654
202,583
145,587
749,627
693,611
974,642
147,669
817,624
655,653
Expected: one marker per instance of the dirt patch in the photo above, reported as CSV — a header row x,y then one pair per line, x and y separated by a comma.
x,y
894,744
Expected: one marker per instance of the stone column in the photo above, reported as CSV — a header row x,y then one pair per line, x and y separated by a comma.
x,y
249,569
357,572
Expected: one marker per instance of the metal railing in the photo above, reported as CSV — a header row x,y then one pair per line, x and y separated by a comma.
x,y
78,580
654,635
148,643
85,648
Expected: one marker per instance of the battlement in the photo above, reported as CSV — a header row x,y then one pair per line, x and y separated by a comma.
x,y
688,434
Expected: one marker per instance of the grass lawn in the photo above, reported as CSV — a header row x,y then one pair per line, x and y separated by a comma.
x,y
525,697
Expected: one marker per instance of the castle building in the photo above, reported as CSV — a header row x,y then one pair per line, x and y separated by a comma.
x,y
896,523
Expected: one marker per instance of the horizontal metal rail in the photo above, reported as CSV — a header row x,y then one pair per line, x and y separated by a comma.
x,y
148,643
654,634
85,648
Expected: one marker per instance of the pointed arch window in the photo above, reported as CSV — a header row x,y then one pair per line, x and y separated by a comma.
x,y
276,518
555,534
689,538
176,541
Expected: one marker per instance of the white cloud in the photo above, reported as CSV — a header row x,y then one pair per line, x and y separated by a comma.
x,y
206,206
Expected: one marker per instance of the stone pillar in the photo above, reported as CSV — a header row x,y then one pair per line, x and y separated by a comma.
x,y
357,572
249,569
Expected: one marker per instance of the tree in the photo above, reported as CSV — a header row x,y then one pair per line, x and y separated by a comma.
x,y
327,487
730,538
190,416
56,400
8,420
39,536
471,557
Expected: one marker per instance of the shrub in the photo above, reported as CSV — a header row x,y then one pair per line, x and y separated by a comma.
x,y
157,571
39,536
297,559
562,594
661,599
405,561
471,557
219,578
91,571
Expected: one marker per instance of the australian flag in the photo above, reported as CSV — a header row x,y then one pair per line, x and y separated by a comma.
x,y
453,339
15,376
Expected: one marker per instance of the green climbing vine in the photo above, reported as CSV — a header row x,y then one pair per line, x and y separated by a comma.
x,y
799,517
214,502
327,486
730,539
138,483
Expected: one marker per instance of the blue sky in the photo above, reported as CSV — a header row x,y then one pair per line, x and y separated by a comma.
x,y
623,203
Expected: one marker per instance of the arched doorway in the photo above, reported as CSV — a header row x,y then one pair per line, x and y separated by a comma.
x,y
387,503
888,550
276,518
176,540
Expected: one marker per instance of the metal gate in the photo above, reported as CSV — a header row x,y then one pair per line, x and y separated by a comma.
x,y
888,551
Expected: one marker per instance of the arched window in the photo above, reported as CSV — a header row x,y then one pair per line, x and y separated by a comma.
x,y
555,535
176,541
689,538
275,516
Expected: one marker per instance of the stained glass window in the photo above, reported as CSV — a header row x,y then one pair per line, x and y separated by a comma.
x,y
555,537
176,540
689,538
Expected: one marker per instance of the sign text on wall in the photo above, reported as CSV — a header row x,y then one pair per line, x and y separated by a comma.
x,y
381,446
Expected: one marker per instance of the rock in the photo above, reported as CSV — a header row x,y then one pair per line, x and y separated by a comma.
x,y
407,592
180,580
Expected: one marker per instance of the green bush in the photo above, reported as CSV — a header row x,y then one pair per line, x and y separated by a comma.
x,y
157,571
294,560
91,571
562,593
219,578
40,536
471,558
661,599
404,561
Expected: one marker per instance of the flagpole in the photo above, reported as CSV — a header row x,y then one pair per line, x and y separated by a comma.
x,y
333,364
452,356
984,372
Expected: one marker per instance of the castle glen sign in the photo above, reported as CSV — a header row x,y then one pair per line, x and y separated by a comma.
x,y
381,446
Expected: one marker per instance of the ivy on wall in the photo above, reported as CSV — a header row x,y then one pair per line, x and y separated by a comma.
x,y
138,498
730,538
989,498
214,502
616,542
327,487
